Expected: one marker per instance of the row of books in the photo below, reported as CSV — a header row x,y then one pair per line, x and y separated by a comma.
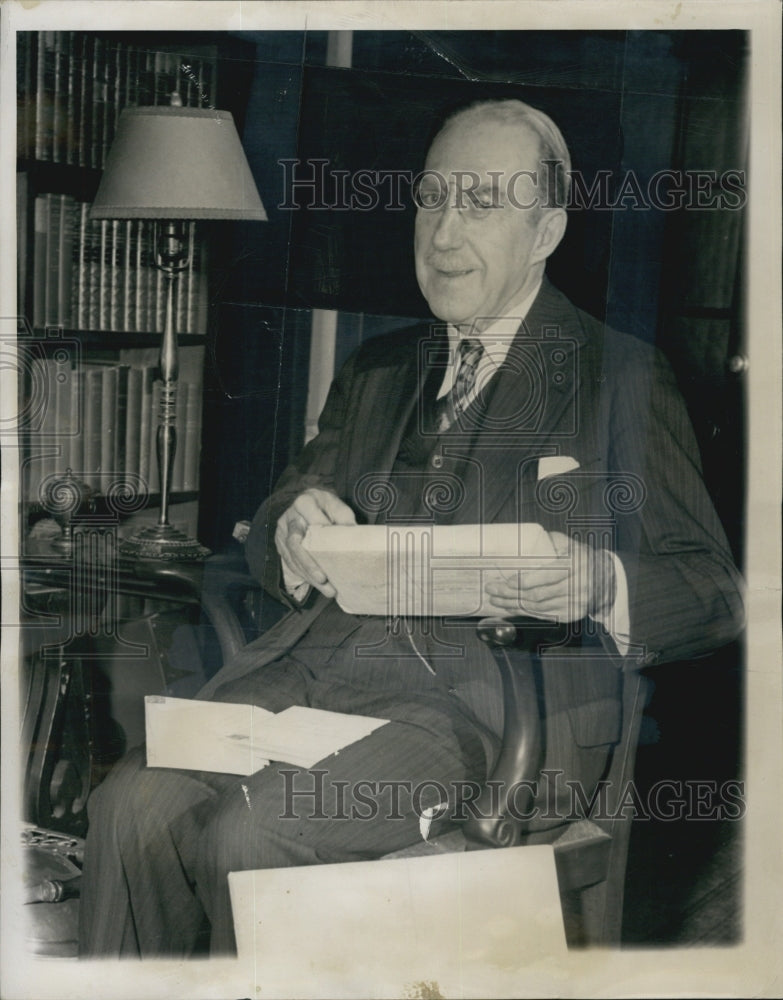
x,y
72,86
100,421
101,274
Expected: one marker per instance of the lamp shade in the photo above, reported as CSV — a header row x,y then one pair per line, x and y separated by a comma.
x,y
177,163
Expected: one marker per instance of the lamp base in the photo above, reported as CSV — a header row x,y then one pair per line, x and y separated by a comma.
x,y
162,541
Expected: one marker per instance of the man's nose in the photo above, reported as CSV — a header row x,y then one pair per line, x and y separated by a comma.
x,y
448,229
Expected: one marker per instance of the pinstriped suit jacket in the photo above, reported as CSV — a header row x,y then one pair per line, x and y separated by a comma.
x,y
569,387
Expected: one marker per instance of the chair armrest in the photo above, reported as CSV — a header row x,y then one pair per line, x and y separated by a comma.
x,y
209,583
491,821
230,634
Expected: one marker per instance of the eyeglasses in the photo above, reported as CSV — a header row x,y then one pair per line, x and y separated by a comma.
x,y
471,194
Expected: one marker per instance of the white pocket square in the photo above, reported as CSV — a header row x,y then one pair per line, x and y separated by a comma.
x,y
556,465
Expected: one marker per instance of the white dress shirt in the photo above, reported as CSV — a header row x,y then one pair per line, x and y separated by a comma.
x,y
495,339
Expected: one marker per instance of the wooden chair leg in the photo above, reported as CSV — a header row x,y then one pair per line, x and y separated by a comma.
x,y
599,906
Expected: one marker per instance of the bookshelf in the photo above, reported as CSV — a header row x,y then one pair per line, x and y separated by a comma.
x,y
90,299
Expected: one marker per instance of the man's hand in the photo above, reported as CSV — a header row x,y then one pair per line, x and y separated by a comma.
x,y
579,582
314,506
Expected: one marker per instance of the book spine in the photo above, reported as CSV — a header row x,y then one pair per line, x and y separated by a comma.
x,y
146,77
161,88
191,319
45,96
160,284
133,422
118,92
192,438
120,421
85,102
36,470
107,89
140,297
200,83
80,285
24,93
98,102
187,85
65,276
127,318
108,446
32,103
132,77
60,96
31,377
76,263
22,54
53,222
154,477
147,379
38,140
204,95
47,457
93,257
22,219
178,471
212,94
185,282
76,450
116,280
72,105
39,262
92,426
104,275
174,74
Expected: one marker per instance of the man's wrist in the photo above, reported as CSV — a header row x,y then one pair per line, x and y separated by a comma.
x,y
603,583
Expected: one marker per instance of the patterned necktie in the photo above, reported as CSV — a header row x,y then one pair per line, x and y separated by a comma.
x,y
449,407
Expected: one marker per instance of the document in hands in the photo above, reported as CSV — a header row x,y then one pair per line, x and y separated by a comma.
x,y
241,739
423,570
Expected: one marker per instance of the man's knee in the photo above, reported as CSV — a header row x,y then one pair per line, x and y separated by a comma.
x,y
119,791
135,801
232,830
245,831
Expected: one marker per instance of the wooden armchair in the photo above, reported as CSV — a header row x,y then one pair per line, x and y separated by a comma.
x,y
590,852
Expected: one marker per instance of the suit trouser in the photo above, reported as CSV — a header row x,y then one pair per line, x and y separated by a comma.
x,y
162,842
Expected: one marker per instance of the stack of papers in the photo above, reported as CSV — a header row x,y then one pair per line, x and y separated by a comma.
x,y
241,739
420,571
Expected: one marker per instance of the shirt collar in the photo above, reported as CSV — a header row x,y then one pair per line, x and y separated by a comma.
x,y
497,337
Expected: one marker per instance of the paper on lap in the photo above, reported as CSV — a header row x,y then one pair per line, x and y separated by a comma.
x,y
423,570
241,739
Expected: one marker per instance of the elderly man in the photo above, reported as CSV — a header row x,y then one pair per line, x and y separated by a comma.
x,y
519,393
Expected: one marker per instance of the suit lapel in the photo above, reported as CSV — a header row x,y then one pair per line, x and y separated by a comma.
x,y
529,401
385,404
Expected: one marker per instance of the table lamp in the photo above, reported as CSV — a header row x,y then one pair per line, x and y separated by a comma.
x,y
172,164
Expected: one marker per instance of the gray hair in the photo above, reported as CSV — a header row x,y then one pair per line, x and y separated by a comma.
x,y
552,145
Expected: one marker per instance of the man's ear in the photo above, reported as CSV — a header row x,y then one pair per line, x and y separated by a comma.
x,y
550,230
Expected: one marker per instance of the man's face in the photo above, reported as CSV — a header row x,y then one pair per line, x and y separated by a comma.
x,y
475,261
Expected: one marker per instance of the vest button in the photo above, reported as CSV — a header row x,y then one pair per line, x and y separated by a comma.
x,y
437,461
